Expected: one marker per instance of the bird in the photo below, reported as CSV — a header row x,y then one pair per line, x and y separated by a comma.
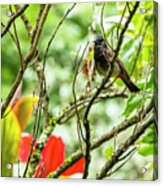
x,y
103,56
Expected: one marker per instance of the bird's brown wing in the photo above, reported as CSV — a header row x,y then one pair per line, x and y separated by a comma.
x,y
123,69
108,54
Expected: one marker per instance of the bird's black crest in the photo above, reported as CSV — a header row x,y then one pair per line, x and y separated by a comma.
x,y
99,38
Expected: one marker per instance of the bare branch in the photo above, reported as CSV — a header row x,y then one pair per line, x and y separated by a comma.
x,y
79,129
129,156
25,20
27,59
17,41
128,142
56,30
102,26
12,19
10,33
105,80
37,22
119,25
140,46
98,142
37,112
38,33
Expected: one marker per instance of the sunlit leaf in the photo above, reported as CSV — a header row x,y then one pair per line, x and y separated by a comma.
x,y
149,85
11,132
23,109
147,150
109,152
133,103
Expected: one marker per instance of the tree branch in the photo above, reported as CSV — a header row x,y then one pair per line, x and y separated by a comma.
x,y
25,20
100,141
130,141
33,33
56,30
18,42
27,59
105,80
13,19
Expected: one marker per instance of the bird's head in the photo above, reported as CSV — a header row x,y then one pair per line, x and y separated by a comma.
x,y
99,40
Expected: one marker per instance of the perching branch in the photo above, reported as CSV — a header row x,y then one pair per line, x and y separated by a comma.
x,y
105,80
100,141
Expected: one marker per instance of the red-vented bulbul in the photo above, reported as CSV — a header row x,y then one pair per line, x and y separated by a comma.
x,y
103,57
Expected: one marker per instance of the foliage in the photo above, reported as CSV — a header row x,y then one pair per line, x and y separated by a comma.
x,y
50,112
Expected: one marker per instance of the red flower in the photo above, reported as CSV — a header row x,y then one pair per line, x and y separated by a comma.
x,y
53,155
25,144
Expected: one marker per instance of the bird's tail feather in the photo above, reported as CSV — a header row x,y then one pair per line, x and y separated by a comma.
x,y
131,86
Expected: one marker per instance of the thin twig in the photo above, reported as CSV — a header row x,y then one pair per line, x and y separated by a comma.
x,y
105,80
19,168
127,154
79,129
13,19
10,33
17,41
83,103
102,25
38,33
119,24
140,47
33,140
25,20
26,61
128,6
56,30
43,80
128,142
98,142
37,115
126,161
33,33
43,88
143,99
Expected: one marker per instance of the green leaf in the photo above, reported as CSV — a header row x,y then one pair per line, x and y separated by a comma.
x,y
109,152
148,138
134,103
112,9
147,150
11,133
150,83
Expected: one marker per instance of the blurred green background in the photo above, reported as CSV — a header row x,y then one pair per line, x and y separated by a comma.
x,y
81,26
